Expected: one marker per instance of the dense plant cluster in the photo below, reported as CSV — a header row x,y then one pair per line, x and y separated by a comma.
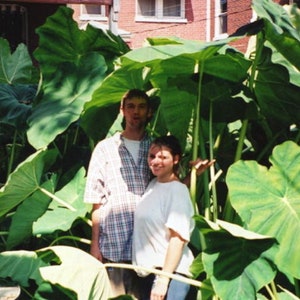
x,y
241,109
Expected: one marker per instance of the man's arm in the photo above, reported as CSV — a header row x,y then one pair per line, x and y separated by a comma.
x,y
95,251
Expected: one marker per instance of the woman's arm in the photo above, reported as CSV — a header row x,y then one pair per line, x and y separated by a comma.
x,y
172,260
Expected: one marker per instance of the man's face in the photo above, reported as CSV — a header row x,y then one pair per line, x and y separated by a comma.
x,y
136,112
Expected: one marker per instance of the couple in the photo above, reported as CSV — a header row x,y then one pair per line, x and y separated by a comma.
x,y
119,189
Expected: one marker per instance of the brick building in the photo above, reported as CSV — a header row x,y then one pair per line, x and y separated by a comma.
x,y
204,20
134,20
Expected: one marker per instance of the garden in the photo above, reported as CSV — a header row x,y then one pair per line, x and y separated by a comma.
x,y
242,109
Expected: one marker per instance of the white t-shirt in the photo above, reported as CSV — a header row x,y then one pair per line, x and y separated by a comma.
x,y
133,147
163,206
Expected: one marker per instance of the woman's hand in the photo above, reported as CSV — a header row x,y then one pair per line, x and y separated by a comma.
x,y
201,165
159,288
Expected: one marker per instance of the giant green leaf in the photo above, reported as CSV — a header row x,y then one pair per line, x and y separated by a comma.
x,y
277,96
77,271
64,98
25,180
60,40
66,268
185,55
168,65
238,262
21,266
268,201
279,30
58,217
15,67
21,224
177,120
15,104
173,47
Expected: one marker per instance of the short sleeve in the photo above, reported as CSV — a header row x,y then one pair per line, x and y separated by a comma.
x,y
179,211
94,189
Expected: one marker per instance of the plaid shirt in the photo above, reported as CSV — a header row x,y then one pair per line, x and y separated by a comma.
x,y
116,182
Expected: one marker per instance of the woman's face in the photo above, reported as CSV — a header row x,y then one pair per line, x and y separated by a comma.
x,y
161,162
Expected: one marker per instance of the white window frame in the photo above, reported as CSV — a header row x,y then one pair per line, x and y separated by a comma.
x,y
95,17
219,15
158,17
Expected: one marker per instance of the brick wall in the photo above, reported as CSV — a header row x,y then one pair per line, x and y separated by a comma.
x,y
195,28
239,14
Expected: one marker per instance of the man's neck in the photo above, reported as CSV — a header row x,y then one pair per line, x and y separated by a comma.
x,y
135,135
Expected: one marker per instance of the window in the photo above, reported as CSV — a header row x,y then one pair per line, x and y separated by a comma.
x,y
221,18
13,24
92,12
160,10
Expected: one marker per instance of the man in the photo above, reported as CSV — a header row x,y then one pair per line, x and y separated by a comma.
x,y
117,177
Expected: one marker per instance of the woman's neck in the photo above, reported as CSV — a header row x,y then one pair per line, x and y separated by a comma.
x,y
164,179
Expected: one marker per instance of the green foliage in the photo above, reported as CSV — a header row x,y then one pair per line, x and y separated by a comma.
x,y
25,180
236,259
15,104
16,67
271,203
50,266
243,110
279,30
64,96
61,41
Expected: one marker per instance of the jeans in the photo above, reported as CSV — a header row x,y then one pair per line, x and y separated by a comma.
x,y
177,290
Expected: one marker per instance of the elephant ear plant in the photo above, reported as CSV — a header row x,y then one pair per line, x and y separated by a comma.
x,y
44,154
241,109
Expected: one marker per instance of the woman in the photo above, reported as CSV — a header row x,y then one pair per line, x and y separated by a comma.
x,y
163,224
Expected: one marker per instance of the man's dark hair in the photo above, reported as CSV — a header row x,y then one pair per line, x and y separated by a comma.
x,y
134,93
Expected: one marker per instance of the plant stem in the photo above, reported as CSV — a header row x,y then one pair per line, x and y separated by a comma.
x,y
239,149
206,192
258,52
229,212
159,272
27,292
12,154
297,139
62,202
274,291
269,291
193,183
87,221
71,237
76,135
212,170
297,287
